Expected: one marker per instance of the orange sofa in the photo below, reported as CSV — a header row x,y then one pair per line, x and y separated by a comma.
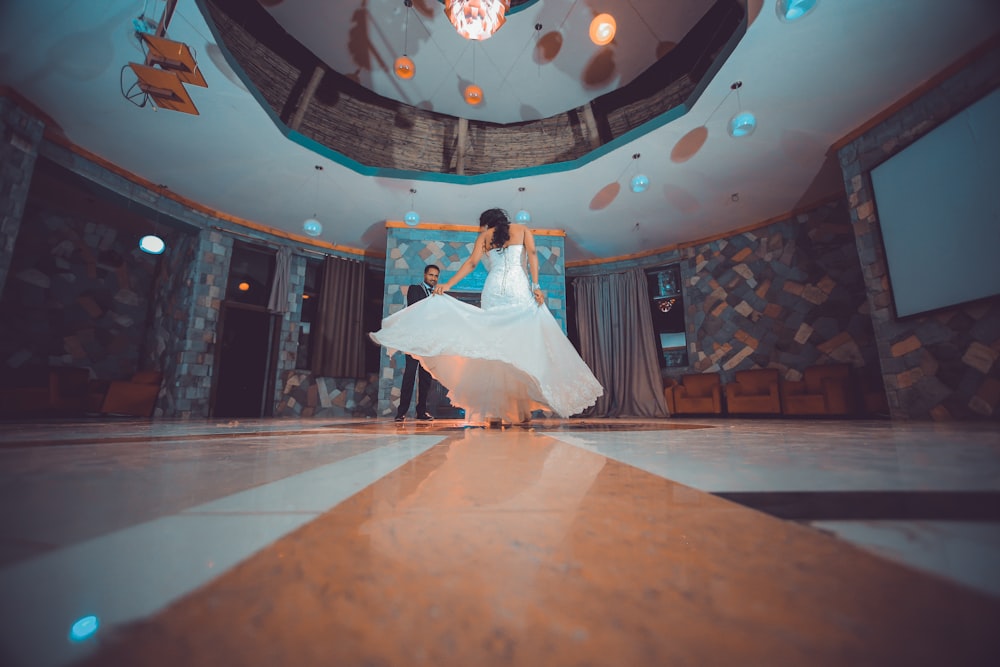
x,y
135,397
754,391
696,394
823,390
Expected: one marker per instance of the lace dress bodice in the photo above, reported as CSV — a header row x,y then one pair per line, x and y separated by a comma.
x,y
507,282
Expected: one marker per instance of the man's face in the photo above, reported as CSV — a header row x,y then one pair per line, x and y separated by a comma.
x,y
431,277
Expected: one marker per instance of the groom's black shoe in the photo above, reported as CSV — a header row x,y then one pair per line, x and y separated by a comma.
x,y
400,418
424,417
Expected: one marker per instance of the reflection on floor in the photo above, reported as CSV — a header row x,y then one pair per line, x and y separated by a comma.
x,y
363,542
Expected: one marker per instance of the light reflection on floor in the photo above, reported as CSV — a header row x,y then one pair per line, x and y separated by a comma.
x,y
132,520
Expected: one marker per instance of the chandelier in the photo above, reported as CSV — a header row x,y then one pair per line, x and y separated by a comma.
x,y
476,19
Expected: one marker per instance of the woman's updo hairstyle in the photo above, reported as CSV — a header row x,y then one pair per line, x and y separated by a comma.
x,y
497,220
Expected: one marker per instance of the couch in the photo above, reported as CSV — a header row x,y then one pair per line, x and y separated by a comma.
x,y
755,391
823,391
695,394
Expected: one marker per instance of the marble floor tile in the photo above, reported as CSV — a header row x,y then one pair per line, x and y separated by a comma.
x,y
602,542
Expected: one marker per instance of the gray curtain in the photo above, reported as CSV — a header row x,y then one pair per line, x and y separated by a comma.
x,y
278,301
618,343
337,336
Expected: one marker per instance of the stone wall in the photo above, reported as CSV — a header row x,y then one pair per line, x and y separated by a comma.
x,y
942,365
77,295
410,249
303,394
20,134
788,295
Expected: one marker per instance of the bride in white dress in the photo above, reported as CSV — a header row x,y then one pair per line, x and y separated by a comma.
x,y
506,359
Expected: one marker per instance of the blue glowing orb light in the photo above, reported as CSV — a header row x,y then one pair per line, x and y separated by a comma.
x,y
312,227
84,628
523,217
742,124
793,10
640,183
152,244
412,218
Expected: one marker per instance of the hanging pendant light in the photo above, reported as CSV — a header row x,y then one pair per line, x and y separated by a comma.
x,y
312,226
404,67
412,218
602,29
473,94
640,182
522,215
742,123
476,19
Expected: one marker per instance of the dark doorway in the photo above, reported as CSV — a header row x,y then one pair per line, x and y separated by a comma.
x,y
244,368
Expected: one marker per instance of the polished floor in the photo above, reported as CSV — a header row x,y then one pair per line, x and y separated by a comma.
x,y
575,542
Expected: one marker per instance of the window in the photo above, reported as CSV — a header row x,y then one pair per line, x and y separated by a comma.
x,y
251,272
667,307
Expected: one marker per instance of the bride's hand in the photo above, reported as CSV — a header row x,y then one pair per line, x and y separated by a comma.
x,y
539,296
439,289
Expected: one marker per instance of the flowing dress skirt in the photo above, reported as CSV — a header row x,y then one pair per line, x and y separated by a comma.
x,y
502,362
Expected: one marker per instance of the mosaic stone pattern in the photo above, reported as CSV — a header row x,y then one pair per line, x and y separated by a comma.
x,y
288,338
192,306
410,249
303,394
786,296
22,133
939,366
77,295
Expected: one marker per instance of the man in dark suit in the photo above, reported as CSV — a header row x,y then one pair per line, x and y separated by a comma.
x,y
415,293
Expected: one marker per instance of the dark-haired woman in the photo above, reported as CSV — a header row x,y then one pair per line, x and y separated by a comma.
x,y
508,358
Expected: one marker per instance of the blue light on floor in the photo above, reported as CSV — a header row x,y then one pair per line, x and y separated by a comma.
x,y
84,628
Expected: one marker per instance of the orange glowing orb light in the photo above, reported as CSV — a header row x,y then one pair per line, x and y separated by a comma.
x,y
244,287
476,19
473,94
404,67
602,29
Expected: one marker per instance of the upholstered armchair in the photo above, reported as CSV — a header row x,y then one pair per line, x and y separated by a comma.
x,y
133,397
754,391
823,390
700,394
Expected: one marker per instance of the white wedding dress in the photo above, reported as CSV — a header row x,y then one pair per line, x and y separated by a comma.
x,y
503,360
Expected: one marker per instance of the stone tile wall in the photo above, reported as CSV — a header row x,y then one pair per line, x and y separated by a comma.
x,y
20,134
410,249
943,365
303,394
77,295
786,296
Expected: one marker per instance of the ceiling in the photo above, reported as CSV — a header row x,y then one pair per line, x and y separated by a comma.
x,y
810,83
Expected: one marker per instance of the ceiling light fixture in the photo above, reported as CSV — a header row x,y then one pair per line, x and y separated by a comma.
x,y
404,67
152,244
473,94
312,226
793,10
522,215
743,123
412,218
476,19
602,29
640,183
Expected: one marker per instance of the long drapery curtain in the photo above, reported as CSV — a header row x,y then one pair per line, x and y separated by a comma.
x,y
278,301
337,337
618,343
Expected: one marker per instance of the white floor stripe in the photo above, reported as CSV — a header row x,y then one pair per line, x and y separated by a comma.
x,y
132,573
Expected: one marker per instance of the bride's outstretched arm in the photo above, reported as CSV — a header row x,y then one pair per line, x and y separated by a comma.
x,y
529,249
468,266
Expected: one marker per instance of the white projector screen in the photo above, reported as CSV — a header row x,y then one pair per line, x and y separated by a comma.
x,y
938,203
